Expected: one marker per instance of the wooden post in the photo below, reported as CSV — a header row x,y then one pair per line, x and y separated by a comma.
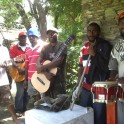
x,y
111,112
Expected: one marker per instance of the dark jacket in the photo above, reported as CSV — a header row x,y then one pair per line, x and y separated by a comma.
x,y
99,63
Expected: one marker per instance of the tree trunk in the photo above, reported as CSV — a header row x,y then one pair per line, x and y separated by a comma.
x,y
56,21
41,18
22,13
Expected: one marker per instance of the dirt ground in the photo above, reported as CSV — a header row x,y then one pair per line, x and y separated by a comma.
x,y
5,116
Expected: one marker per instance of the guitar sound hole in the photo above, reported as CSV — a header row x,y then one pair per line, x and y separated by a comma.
x,y
40,81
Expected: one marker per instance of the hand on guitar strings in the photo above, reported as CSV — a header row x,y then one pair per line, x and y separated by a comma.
x,y
20,58
4,64
49,75
40,68
21,71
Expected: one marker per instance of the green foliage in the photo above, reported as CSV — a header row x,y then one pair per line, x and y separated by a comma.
x,y
69,14
9,12
72,66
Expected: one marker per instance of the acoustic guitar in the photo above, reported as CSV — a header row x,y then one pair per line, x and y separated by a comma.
x,y
39,81
13,71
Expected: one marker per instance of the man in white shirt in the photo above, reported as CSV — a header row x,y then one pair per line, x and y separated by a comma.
x,y
5,95
116,65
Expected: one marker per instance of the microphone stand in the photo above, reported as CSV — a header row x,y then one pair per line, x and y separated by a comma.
x,y
79,85
81,79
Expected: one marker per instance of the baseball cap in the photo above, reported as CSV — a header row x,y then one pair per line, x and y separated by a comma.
x,y
120,16
52,29
22,34
33,31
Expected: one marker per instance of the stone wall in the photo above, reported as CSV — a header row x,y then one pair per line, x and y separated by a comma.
x,y
104,12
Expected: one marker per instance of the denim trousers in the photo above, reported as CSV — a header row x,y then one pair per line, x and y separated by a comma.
x,y
21,98
86,100
120,112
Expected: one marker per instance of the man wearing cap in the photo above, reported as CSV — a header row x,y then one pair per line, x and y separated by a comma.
x,y
32,55
57,85
18,51
116,64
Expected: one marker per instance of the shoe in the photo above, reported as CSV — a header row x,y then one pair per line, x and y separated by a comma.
x,y
19,114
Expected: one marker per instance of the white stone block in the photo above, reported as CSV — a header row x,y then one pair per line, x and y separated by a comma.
x,y
79,115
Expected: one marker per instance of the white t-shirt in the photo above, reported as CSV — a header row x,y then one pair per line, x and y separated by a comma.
x,y
23,47
117,60
4,55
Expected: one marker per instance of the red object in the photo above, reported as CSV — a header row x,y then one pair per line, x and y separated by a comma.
x,y
31,59
120,93
111,113
22,34
103,91
121,15
84,53
16,51
87,86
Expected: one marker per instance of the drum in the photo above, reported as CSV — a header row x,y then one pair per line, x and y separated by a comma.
x,y
121,92
104,92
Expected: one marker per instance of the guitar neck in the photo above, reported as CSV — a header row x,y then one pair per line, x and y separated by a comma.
x,y
64,45
60,51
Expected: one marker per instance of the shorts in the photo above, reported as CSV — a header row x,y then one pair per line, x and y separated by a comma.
x,y
5,96
31,90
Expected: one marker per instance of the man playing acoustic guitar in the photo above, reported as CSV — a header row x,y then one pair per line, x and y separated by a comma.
x,y
57,82
18,52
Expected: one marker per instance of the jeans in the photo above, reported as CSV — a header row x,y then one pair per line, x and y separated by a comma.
x,y
120,112
21,99
31,90
99,108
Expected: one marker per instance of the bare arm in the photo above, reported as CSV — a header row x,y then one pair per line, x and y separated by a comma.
x,y
52,64
113,75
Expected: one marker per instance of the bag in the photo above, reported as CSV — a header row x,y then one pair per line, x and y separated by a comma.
x,y
62,102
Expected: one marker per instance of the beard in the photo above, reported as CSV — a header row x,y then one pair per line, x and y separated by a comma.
x,y
53,39
91,39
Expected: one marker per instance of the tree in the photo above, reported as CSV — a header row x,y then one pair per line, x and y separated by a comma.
x,y
66,13
67,16
25,19
12,13
38,10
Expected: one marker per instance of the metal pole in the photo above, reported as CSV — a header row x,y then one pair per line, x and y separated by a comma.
x,y
79,85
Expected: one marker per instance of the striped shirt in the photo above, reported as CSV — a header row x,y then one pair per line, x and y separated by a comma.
x,y
84,54
32,55
97,69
